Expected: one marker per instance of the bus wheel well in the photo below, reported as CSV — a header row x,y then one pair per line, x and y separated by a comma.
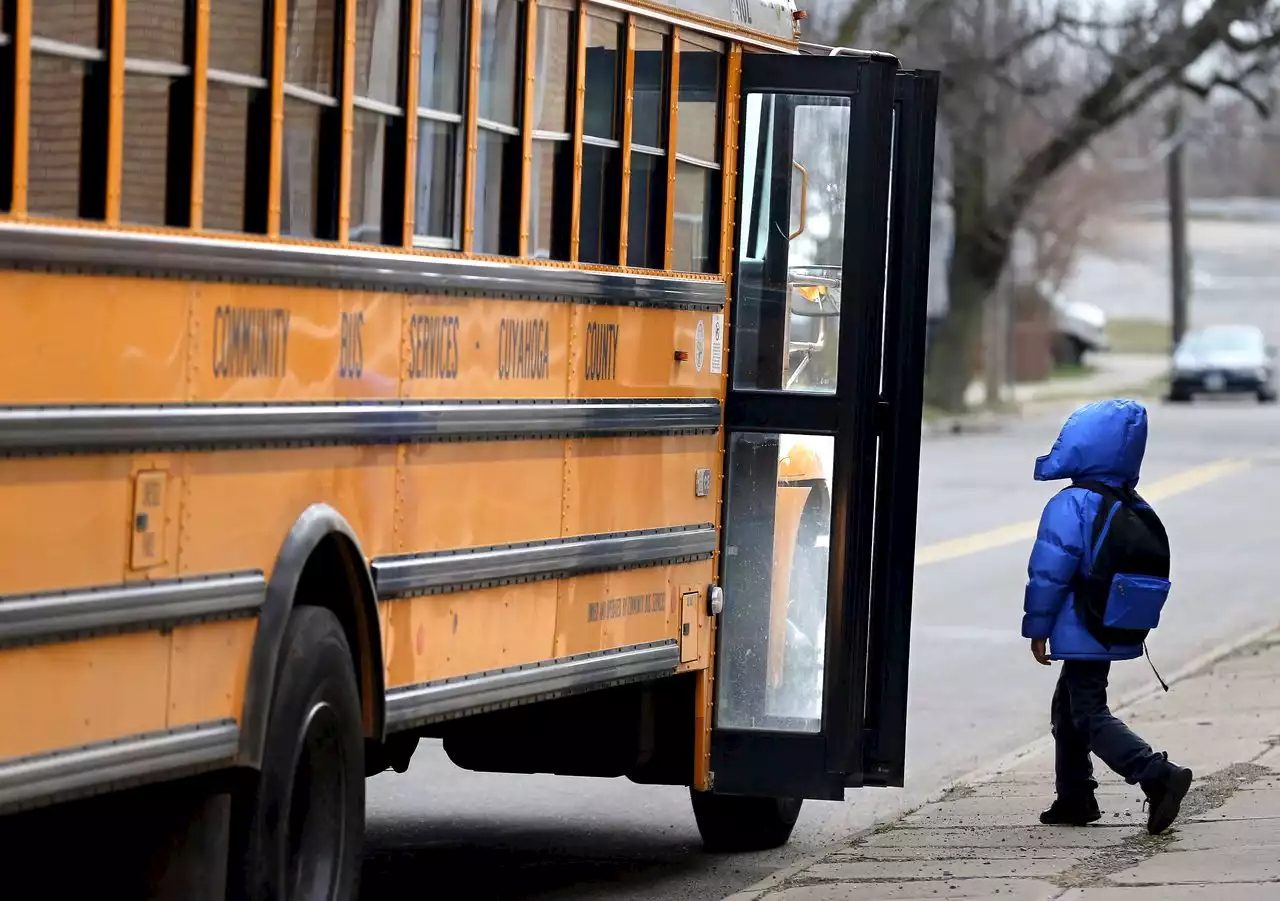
x,y
332,579
320,564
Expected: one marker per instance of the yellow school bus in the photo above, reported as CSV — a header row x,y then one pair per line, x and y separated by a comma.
x,y
541,376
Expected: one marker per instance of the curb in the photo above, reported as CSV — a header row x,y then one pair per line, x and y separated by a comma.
x,y
1191,669
976,423
984,422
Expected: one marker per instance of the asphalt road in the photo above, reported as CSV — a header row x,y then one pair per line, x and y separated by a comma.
x,y
441,832
1234,276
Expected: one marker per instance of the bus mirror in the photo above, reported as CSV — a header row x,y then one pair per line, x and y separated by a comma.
x,y
715,599
815,291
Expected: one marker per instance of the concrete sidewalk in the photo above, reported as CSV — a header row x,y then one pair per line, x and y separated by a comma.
x,y
1109,374
1113,375
982,840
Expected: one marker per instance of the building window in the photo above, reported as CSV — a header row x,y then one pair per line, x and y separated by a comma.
x,y
67,144
647,203
598,218
696,226
238,117
379,122
440,79
498,143
550,191
312,121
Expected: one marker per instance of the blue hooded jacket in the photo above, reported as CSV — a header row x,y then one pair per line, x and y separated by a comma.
x,y
1104,442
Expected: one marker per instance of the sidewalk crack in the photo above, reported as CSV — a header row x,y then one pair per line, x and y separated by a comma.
x,y
1208,794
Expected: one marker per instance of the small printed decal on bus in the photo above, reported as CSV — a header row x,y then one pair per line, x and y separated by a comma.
x,y
616,608
717,343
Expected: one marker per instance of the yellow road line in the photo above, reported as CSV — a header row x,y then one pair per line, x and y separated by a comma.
x,y
1026,530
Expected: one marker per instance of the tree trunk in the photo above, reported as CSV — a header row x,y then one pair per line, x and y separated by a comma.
x,y
952,354
977,259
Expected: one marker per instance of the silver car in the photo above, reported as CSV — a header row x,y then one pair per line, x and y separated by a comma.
x,y
1223,359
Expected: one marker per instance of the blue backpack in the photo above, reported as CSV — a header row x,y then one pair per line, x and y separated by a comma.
x,y
1120,595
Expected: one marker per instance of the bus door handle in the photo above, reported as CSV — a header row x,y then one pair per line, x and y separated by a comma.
x,y
804,199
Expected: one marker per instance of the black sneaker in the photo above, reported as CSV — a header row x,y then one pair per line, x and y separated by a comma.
x,y
1166,799
1072,812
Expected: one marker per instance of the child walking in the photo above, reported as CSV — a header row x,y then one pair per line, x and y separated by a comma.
x,y
1097,580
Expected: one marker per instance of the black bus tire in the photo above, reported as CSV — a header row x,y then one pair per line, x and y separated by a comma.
x,y
303,814
743,823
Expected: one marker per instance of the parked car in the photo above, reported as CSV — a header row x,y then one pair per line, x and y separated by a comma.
x,y
1078,327
1223,359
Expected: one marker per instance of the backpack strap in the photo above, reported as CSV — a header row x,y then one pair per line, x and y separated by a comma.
x,y
1109,492
1112,500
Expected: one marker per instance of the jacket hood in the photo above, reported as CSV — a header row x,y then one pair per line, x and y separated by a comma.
x,y
1104,440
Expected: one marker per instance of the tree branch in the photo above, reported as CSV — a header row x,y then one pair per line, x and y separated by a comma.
x,y
1013,50
1236,84
1135,77
1137,20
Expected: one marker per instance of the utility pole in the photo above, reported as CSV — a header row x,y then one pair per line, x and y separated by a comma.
x,y
1177,196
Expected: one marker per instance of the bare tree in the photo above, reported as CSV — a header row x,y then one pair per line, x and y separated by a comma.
x,y
1030,85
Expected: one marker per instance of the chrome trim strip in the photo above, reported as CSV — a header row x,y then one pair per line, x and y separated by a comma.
x,y
53,47
425,112
218,259
368,104
416,574
155,67
307,95
606,143
511,131
115,428
147,757
697,161
238,79
144,604
412,705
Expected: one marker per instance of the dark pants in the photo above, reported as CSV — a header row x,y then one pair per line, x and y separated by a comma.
x,y
1083,723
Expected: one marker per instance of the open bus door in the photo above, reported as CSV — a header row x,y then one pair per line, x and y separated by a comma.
x,y
822,423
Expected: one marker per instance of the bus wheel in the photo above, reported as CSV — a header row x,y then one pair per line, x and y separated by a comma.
x,y
743,823
304,814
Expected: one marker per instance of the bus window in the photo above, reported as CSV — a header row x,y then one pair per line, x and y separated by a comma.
x,y
497,197
308,183
601,149
377,115
238,118
436,186
550,191
696,225
157,116
67,148
793,212
772,649
647,206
